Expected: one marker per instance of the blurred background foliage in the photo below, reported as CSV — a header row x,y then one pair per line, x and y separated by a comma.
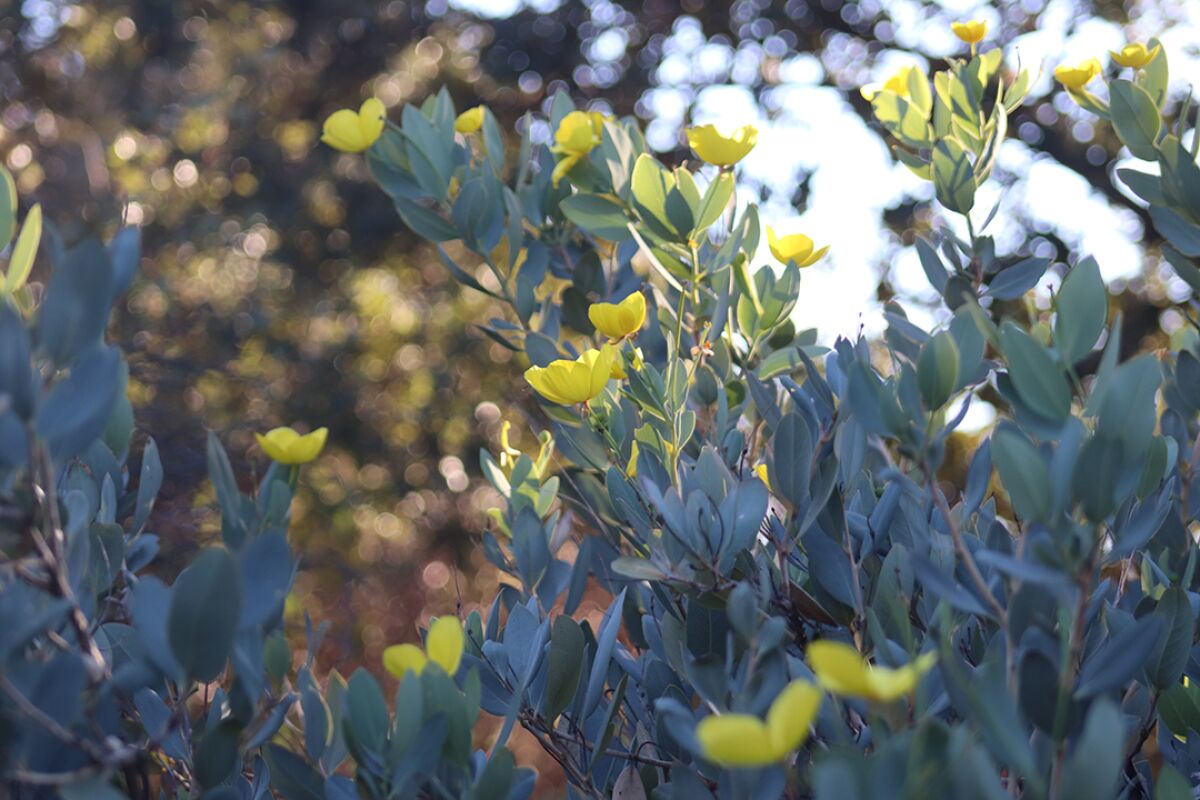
x,y
279,287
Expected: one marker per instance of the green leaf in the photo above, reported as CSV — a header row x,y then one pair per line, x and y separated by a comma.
x,y
291,775
217,753
1171,785
1023,472
24,252
716,198
1135,118
1095,763
8,207
366,715
1179,231
1114,663
651,186
1170,656
1016,279
903,119
1039,382
937,370
425,222
953,176
75,312
1082,306
565,666
597,214
1154,76
203,614
639,569
790,465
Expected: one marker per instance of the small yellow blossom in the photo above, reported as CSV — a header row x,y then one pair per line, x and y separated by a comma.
x,y
288,447
971,32
403,658
444,646
469,121
743,740
897,83
508,453
719,148
445,643
567,382
763,475
577,134
794,247
1075,78
1135,55
631,467
841,670
618,320
353,132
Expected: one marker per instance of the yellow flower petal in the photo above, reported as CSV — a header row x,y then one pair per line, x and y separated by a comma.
x,y
576,134
794,247
288,447
1135,55
970,32
568,382
763,475
353,132
719,148
791,716
564,166
735,740
372,116
342,132
631,467
469,121
618,320
400,659
841,670
445,643
1075,78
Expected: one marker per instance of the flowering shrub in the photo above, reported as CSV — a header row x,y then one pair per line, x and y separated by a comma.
x,y
798,606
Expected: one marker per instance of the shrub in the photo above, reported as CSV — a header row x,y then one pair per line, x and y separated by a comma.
x,y
799,606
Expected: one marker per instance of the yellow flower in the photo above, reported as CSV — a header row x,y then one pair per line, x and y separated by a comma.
x,y
897,83
567,382
794,247
598,119
841,670
719,148
470,120
508,453
618,320
1135,55
577,134
1075,78
444,646
970,32
444,643
403,658
631,467
743,740
353,132
288,447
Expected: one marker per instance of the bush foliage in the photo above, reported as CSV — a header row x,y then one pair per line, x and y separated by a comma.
x,y
799,606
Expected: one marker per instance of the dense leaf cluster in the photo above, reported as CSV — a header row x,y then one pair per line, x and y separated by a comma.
x,y
739,492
